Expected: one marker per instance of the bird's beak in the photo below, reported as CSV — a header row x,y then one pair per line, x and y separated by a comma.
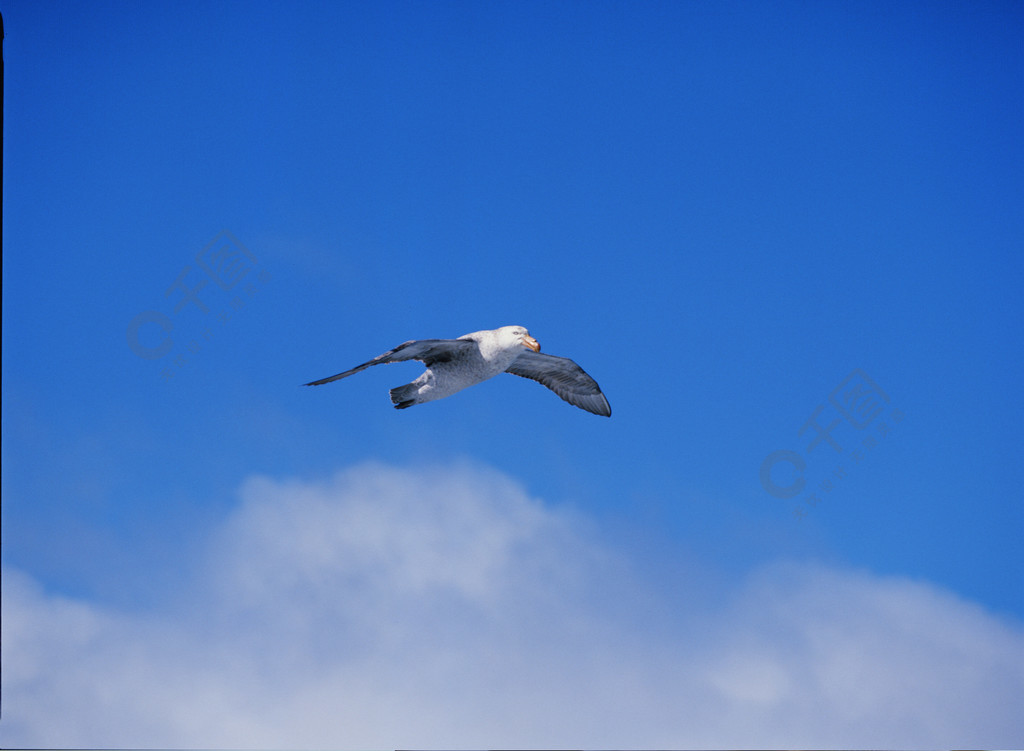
x,y
529,341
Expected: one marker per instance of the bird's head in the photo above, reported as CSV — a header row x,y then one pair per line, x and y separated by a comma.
x,y
519,335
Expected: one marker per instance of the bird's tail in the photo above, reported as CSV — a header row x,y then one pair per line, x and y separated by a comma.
x,y
404,396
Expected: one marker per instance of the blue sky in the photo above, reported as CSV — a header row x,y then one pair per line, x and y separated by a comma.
x,y
720,210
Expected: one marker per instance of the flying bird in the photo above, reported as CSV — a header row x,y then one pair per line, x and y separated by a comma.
x,y
455,364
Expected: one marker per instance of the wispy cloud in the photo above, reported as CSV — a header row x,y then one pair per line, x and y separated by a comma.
x,y
443,606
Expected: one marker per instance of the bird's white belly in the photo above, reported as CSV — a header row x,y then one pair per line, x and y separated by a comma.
x,y
445,379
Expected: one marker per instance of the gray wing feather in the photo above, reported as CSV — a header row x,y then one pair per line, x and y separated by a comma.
x,y
565,378
428,351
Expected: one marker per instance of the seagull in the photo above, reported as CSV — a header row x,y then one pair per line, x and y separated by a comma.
x,y
455,364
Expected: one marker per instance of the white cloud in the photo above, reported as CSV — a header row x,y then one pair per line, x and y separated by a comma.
x,y
441,607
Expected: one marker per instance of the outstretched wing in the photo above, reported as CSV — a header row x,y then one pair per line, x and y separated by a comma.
x,y
428,351
565,378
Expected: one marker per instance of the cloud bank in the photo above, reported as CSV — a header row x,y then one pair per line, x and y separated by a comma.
x,y
444,607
